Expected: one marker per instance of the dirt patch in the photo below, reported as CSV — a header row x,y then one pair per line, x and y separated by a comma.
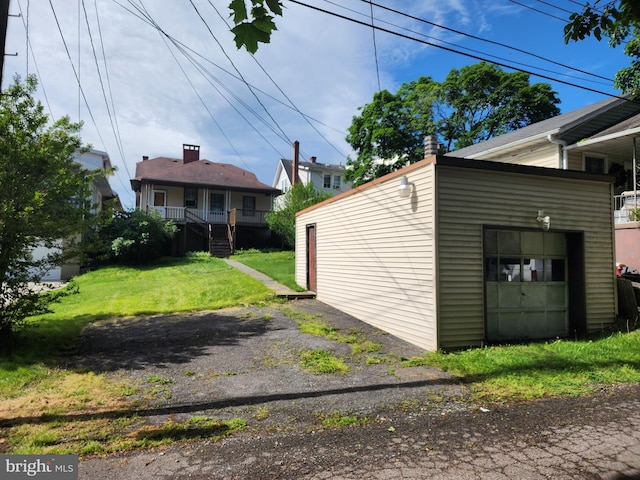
x,y
245,362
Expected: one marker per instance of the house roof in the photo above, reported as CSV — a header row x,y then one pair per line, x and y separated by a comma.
x,y
201,173
287,166
570,127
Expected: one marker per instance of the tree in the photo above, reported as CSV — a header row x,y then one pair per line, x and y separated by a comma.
x,y
619,21
255,24
42,200
473,104
299,197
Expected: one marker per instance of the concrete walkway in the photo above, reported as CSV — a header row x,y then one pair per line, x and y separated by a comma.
x,y
281,291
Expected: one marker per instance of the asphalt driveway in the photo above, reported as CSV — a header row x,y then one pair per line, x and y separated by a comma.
x,y
234,362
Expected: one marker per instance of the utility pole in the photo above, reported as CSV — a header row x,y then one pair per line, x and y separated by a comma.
x,y
4,19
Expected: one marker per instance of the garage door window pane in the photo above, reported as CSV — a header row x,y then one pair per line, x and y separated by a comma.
x,y
510,269
554,270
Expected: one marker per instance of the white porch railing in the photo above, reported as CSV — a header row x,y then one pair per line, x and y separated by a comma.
x,y
255,217
624,205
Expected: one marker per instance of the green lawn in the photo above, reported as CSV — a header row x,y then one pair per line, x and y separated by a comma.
x,y
278,265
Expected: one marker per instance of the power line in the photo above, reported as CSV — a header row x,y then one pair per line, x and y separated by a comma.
x,y
293,105
104,94
481,39
476,57
537,10
240,74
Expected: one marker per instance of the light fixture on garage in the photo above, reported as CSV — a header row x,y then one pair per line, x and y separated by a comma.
x,y
545,220
404,190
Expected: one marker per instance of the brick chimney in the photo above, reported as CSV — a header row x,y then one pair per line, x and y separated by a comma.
x,y
430,145
145,158
294,165
190,153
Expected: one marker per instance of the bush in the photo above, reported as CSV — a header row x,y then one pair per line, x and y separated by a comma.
x,y
135,237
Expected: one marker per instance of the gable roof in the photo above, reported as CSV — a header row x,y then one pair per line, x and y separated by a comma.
x,y
201,173
287,166
570,127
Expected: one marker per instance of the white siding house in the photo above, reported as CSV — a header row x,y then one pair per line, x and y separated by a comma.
x,y
101,192
324,176
467,258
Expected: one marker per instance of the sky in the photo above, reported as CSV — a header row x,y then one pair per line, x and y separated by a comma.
x,y
147,76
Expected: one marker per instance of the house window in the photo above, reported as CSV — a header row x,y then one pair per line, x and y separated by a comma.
x,y
191,197
249,206
595,164
336,182
217,202
327,181
159,198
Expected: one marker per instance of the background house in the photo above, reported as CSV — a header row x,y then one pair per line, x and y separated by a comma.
x,y
101,192
598,138
467,256
218,207
324,176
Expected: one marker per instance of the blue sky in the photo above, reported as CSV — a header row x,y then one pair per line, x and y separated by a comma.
x,y
305,85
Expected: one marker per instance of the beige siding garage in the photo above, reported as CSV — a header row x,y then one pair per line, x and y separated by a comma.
x,y
375,255
417,267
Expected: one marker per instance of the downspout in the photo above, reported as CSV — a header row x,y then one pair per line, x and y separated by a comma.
x,y
565,160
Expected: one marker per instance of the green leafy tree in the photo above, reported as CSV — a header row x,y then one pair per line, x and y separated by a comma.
x,y
254,22
299,197
619,22
42,200
134,237
473,104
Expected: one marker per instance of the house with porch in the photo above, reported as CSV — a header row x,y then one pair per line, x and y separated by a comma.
x,y
508,240
217,207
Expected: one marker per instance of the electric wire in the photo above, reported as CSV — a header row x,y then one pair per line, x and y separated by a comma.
x,y
183,47
108,78
239,73
293,105
556,7
75,72
202,71
452,50
481,39
35,63
375,48
529,7
102,87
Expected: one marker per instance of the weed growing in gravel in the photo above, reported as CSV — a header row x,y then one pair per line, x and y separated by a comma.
x,y
379,359
320,361
337,420
262,414
159,380
311,325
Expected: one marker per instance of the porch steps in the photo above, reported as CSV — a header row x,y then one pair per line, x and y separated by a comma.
x,y
219,242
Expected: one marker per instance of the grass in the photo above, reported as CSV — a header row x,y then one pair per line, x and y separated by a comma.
x,y
312,325
278,265
337,420
542,369
321,361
